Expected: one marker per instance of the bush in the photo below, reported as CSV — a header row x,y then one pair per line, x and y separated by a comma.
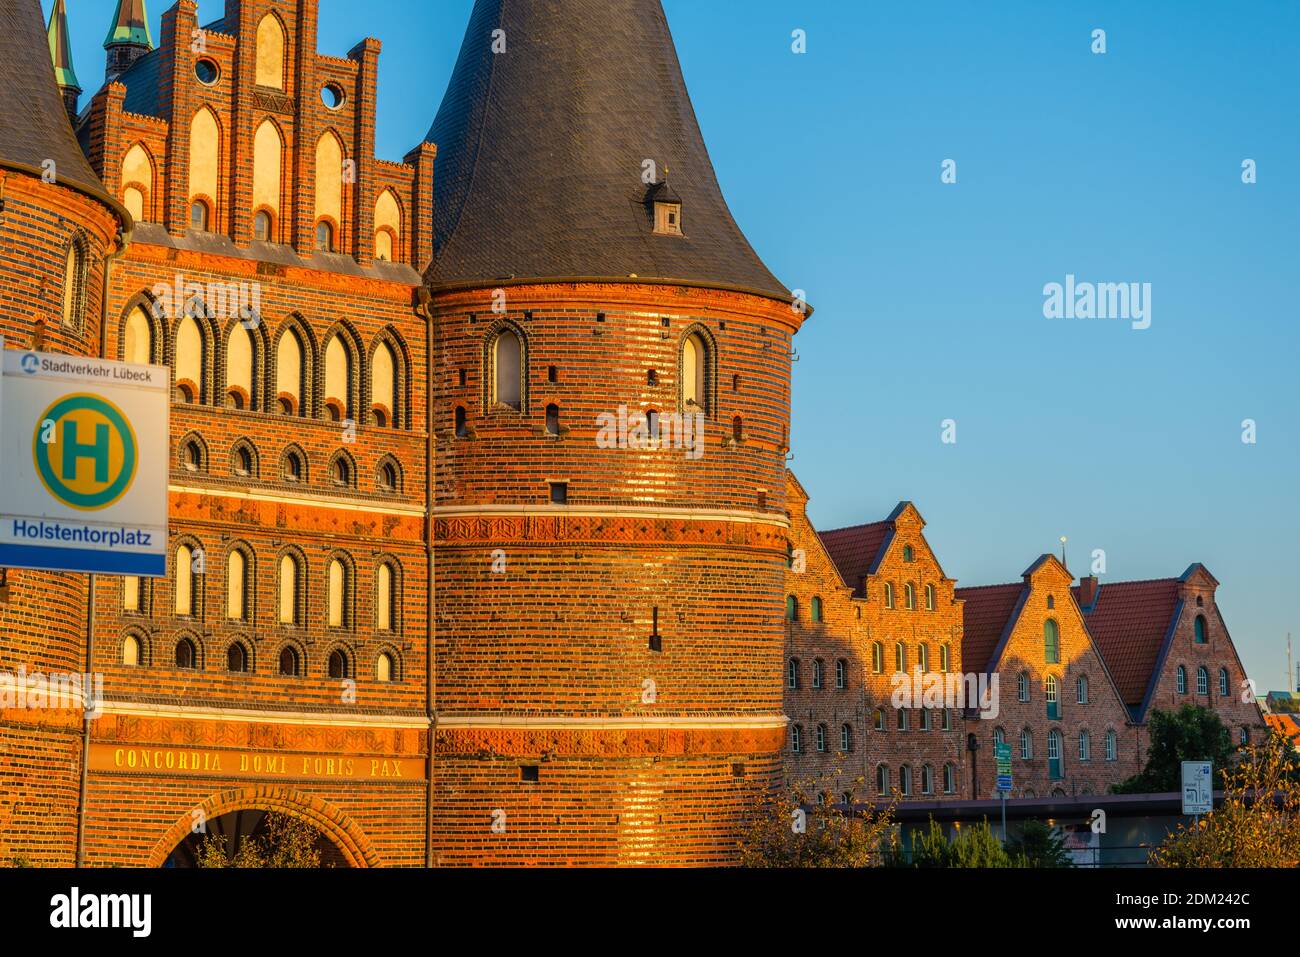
x,y
970,847
281,842
1258,824
1191,733
788,829
1039,846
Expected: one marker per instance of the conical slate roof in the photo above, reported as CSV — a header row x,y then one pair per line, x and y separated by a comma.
x,y
34,124
541,153
130,25
61,47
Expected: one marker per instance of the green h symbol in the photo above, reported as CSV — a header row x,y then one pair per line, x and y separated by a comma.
x,y
74,451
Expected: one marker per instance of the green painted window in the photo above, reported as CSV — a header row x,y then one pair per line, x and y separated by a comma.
x,y
1200,630
1052,642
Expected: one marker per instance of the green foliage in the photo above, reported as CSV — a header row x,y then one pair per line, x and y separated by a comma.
x,y
971,847
1039,846
1191,733
282,842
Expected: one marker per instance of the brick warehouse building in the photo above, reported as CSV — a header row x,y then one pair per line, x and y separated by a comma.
x,y
418,594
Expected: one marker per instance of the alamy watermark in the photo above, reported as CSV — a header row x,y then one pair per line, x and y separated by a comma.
x,y
933,690
215,300
650,430
1101,300
54,692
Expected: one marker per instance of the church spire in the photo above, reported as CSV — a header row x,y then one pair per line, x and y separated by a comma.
x,y
128,37
61,55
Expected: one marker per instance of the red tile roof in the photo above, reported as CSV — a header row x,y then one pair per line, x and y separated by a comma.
x,y
854,550
1128,624
1286,724
986,613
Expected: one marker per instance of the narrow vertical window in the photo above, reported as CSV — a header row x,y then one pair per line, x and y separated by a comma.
x,y
507,371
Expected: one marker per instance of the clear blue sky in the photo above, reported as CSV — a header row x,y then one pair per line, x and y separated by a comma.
x,y
1124,167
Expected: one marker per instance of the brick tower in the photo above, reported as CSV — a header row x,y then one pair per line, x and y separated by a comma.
x,y
58,230
610,399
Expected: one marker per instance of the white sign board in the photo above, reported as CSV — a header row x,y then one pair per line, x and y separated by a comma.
x,y
1198,787
83,464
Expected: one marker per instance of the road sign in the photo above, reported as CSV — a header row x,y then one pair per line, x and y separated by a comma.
x,y
1198,787
83,464
1002,755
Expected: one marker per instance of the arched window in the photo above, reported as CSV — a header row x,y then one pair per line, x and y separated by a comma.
x,y
384,598
923,657
293,467
137,179
1026,745
186,655
190,360
738,429
900,657
1052,642
137,339
877,658
818,668
846,737
909,596
186,580
1055,770
192,456
791,608
882,779
929,598
821,738
1085,746
695,374
927,779
1112,746
909,555
796,738
131,651
387,478
388,227
324,237
1081,689
262,226
792,673
1223,682
270,52
384,668
339,594
239,367
289,575
1202,680
903,720
338,379
337,664
383,387
949,779
237,579
268,162
1053,700
879,719
329,189
999,735
290,662
1022,686
905,779
205,167
925,719
462,425
552,420
508,370
237,658
1182,680
289,373
242,461
889,595
816,609
341,471
841,674
1200,630
945,657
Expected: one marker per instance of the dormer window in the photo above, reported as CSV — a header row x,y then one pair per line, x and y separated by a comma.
x,y
667,207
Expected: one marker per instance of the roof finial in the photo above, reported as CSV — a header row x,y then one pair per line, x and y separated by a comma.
x,y
61,56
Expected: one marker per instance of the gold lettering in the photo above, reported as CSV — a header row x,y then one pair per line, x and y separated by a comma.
x,y
131,758
117,757
374,769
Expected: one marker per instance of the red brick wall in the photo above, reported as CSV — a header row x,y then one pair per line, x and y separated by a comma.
x,y
1025,652
848,630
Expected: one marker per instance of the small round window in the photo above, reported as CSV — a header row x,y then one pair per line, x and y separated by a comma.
x,y
331,95
207,72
